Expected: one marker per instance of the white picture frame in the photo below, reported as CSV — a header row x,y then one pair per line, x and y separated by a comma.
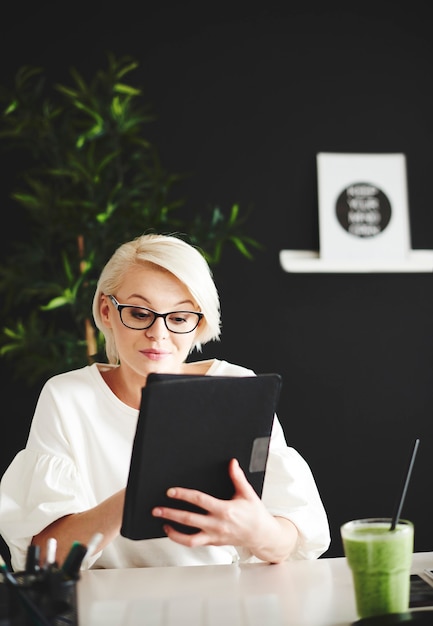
x,y
363,207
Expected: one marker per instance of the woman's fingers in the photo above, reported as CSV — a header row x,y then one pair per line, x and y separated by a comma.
x,y
219,521
242,487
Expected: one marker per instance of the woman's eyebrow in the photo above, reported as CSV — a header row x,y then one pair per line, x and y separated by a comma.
x,y
182,302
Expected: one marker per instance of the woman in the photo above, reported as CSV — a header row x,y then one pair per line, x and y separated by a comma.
x,y
155,303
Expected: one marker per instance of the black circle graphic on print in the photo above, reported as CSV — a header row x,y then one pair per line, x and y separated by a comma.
x,y
363,210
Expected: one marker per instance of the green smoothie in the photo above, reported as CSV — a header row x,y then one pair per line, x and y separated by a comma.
x,y
380,560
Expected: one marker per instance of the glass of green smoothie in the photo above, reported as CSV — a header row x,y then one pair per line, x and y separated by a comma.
x,y
380,560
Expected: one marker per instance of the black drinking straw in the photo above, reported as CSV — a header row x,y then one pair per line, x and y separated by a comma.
x,y
400,503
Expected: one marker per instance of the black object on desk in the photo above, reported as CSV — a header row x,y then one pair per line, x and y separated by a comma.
x,y
189,427
422,618
421,593
42,602
40,596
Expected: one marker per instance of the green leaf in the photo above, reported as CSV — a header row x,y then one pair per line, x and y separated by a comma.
x,y
126,89
233,214
55,303
128,68
67,91
11,108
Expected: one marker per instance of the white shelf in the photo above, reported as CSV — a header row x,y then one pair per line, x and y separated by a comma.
x,y
309,261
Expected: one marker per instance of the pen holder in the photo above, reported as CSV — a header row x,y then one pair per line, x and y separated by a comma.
x,y
43,599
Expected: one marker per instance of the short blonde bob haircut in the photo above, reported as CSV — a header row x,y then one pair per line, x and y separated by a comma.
x,y
175,256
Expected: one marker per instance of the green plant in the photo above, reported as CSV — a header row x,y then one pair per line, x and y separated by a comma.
x,y
90,181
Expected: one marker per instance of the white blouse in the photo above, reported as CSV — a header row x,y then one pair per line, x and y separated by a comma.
x,y
78,454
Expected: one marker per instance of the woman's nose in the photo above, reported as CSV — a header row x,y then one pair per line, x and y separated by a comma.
x,y
158,330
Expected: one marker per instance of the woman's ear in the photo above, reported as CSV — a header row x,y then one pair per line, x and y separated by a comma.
x,y
105,311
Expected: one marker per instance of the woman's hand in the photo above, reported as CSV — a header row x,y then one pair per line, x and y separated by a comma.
x,y
241,521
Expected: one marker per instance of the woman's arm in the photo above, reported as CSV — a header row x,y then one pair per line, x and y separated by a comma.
x,y
105,518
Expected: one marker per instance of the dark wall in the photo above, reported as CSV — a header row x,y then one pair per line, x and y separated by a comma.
x,y
244,101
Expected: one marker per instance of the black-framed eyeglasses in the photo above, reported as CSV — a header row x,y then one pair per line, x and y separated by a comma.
x,y
140,318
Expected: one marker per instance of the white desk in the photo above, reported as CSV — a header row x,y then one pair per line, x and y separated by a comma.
x,y
299,593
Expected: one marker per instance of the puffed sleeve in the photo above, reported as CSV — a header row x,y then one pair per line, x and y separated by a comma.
x,y
290,491
42,483
36,490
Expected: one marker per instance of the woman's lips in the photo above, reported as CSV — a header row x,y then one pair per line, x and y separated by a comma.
x,y
155,355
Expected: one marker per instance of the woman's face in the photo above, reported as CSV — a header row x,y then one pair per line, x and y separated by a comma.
x,y
154,349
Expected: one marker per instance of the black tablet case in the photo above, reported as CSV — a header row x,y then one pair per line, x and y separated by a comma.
x,y
188,429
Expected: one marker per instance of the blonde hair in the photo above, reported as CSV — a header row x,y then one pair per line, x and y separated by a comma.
x,y
177,257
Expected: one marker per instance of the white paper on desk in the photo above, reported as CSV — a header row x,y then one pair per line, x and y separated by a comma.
x,y
363,206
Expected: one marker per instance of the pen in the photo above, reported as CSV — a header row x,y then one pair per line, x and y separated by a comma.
x,y
72,563
50,559
7,575
77,553
32,559
94,543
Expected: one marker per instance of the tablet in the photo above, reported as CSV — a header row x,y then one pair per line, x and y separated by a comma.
x,y
188,429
